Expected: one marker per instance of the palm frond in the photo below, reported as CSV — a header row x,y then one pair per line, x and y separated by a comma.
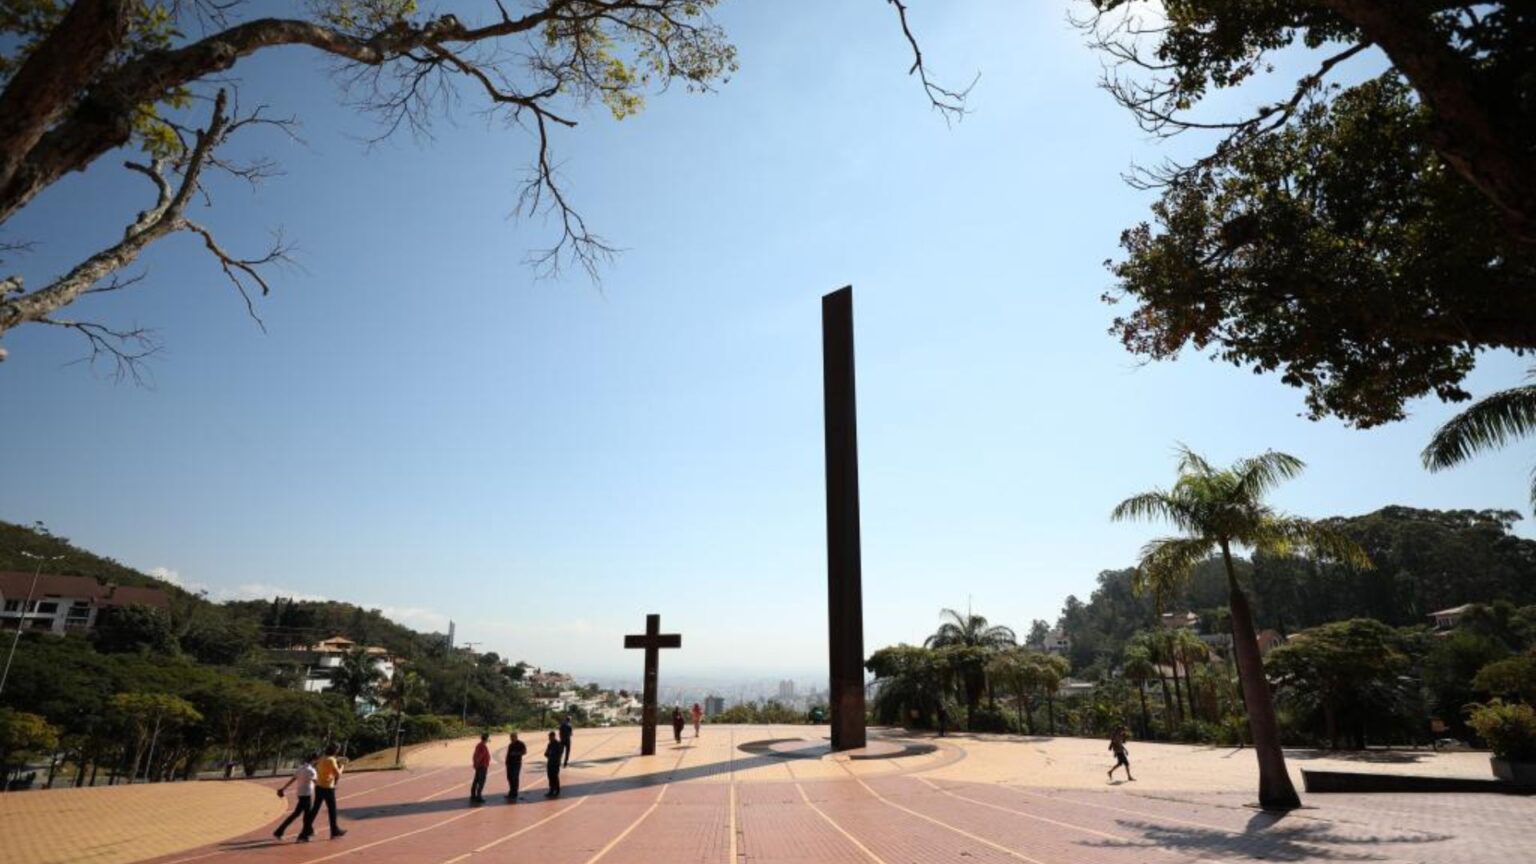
x,y
1490,423
1257,475
1282,534
1191,462
1157,504
1166,563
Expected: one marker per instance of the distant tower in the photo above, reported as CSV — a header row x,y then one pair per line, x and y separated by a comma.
x,y
450,634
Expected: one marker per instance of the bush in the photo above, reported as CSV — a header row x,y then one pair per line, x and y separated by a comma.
x,y
1509,729
985,719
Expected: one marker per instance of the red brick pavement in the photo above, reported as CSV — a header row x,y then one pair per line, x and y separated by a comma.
x,y
677,812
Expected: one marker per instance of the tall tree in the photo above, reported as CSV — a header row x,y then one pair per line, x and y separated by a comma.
x,y
1364,239
358,677
84,79
1139,669
974,640
1219,510
1488,424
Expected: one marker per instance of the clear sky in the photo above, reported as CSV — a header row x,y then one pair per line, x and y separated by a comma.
x,y
426,428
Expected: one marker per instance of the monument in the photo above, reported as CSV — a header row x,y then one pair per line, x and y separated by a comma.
x,y
652,640
845,604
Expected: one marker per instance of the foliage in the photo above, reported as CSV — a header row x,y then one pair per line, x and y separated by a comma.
x,y
1487,425
769,711
911,683
65,558
1509,729
1512,677
1365,240
1449,668
133,628
23,736
1348,671
969,642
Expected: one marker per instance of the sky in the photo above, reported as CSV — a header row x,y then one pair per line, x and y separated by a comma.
x,y
427,428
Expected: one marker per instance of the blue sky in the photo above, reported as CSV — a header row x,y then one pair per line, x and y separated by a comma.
x,y
426,428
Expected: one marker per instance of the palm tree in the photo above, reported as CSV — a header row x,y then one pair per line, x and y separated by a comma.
x,y
970,631
399,696
358,677
1188,647
1138,667
1217,510
1489,423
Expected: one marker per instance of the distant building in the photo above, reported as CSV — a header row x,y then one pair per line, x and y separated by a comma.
x,y
1447,619
66,604
1057,642
1185,620
1268,641
322,659
786,690
713,706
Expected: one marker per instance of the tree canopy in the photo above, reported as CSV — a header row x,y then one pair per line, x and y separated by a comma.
x,y
1364,239
158,81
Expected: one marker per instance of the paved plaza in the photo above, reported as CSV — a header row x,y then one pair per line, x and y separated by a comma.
x,y
773,794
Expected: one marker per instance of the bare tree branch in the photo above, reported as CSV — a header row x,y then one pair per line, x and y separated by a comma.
x,y
949,103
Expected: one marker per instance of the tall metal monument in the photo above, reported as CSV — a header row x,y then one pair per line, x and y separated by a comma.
x,y
845,603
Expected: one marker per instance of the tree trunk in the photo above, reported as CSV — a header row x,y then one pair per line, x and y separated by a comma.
x,y
1050,707
1178,692
1331,723
1162,684
1146,718
1276,791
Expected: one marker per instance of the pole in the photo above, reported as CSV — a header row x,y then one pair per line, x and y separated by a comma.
x,y
469,648
25,607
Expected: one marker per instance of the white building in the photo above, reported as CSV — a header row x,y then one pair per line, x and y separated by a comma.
x,y
322,659
66,604
1057,642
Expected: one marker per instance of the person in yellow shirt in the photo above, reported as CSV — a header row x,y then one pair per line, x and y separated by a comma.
x,y
327,775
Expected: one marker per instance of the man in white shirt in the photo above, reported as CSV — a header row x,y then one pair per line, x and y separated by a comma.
x,y
304,775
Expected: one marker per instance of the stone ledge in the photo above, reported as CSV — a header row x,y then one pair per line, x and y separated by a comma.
x,y
1362,781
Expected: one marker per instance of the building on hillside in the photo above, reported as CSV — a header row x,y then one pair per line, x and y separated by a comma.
x,y
713,706
786,690
1185,620
322,659
1447,619
66,604
1268,641
1057,642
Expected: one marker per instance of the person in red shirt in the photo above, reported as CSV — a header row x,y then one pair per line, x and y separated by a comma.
x,y
482,764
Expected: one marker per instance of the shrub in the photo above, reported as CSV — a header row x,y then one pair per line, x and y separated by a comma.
x,y
985,719
1509,729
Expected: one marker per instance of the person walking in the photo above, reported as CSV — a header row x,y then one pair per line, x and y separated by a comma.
x,y
516,750
1117,744
698,718
677,724
482,764
304,776
565,738
552,753
327,775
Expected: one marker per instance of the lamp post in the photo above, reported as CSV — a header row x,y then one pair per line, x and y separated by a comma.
x,y
25,607
469,653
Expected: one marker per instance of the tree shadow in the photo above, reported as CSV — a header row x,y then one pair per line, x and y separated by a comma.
x,y
1263,838
1381,757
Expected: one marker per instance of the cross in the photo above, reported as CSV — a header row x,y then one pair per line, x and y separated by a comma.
x,y
651,640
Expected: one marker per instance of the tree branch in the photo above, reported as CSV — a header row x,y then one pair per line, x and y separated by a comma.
x,y
949,103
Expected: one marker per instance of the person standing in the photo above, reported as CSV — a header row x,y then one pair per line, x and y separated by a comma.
x,y
698,718
482,764
304,776
552,753
327,775
943,719
677,724
516,750
565,738
1117,744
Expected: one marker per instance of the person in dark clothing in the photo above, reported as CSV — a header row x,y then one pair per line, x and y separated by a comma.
x,y
943,720
1117,744
482,765
565,738
677,724
304,775
552,753
516,750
